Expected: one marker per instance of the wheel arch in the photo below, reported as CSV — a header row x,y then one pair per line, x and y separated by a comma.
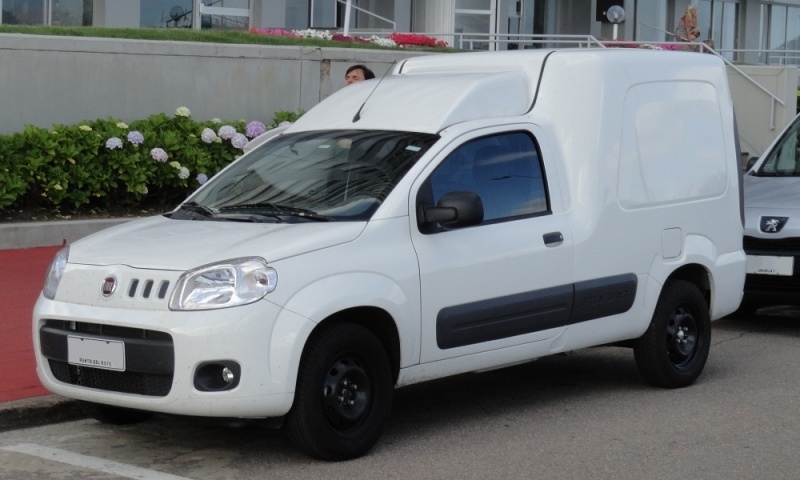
x,y
379,322
696,274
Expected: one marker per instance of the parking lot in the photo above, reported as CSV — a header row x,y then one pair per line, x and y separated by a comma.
x,y
582,415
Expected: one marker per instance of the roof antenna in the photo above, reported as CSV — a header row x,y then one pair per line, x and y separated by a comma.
x,y
357,116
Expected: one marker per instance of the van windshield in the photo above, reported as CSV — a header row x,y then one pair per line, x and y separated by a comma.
x,y
334,175
784,159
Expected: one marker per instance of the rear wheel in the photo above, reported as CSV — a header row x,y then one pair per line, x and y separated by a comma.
x,y
114,415
674,349
344,393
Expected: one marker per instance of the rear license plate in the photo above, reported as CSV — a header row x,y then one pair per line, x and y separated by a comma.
x,y
96,353
766,265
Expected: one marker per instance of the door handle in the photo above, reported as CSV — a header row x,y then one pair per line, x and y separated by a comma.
x,y
553,238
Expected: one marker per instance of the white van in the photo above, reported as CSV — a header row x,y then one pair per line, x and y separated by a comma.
x,y
467,212
772,224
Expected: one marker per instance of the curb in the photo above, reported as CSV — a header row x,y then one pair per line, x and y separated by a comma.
x,y
51,234
38,411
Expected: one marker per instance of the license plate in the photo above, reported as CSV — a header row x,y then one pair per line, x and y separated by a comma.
x,y
766,265
96,353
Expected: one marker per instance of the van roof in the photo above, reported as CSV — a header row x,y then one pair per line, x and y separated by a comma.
x,y
430,93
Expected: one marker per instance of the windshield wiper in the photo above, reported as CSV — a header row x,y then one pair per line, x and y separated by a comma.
x,y
198,208
271,208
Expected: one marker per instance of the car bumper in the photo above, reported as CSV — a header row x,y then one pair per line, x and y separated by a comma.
x,y
170,360
779,282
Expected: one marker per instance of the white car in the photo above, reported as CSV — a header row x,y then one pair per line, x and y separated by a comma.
x,y
467,212
772,224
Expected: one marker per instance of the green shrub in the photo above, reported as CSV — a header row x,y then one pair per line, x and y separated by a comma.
x,y
104,163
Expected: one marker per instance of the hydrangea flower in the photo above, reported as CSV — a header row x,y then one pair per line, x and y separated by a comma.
x,y
122,125
184,173
202,178
284,123
85,128
182,112
159,155
226,132
135,137
208,135
175,165
113,143
216,120
239,140
255,128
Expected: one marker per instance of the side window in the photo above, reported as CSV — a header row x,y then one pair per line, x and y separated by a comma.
x,y
504,170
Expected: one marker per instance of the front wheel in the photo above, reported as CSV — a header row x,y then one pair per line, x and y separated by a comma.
x,y
674,349
344,393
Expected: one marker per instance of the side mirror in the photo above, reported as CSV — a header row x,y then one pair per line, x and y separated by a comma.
x,y
455,210
750,162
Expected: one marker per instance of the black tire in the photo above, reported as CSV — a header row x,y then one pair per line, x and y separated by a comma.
x,y
674,349
344,393
114,415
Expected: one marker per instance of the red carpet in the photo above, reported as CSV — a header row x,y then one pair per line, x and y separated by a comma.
x,y
21,279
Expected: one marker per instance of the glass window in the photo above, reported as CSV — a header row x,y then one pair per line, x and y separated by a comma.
x,y
784,159
340,175
504,170
24,12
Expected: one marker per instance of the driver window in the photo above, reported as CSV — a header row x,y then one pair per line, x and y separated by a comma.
x,y
504,170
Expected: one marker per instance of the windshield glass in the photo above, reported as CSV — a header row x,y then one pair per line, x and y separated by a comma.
x,y
784,159
332,175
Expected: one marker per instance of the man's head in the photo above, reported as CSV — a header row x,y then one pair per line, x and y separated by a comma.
x,y
357,73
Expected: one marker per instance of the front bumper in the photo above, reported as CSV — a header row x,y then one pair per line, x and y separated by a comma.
x,y
767,289
165,353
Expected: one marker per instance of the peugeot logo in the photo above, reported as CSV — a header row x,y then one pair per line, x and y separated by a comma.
x,y
772,224
109,285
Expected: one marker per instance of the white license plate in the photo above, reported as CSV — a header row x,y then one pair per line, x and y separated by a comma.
x,y
766,265
96,353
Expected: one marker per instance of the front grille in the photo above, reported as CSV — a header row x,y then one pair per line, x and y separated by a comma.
x,y
773,284
149,358
771,246
124,382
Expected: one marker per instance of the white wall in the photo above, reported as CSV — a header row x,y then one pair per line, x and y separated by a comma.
x,y
50,80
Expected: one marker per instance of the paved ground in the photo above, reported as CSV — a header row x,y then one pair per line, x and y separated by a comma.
x,y
22,274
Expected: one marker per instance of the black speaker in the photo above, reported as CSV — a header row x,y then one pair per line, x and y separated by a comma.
x,y
603,6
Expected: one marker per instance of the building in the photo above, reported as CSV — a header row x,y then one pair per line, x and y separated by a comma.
x,y
751,31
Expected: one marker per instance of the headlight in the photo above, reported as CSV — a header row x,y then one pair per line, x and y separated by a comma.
x,y
226,284
54,273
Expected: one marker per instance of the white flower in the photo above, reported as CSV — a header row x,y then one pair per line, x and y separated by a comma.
x,y
175,165
202,178
226,132
216,120
85,128
208,135
184,173
239,140
311,33
284,123
122,125
182,112
383,42
159,155
113,143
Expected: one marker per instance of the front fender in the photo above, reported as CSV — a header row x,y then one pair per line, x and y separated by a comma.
x,y
327,296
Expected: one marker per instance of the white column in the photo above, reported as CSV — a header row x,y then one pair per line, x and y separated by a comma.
x,y
435,16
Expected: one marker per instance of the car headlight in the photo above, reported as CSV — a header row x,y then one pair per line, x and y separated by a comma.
x,y
54,273
226,284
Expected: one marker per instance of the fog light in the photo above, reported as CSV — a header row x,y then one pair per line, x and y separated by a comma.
x,y
217,376
228,376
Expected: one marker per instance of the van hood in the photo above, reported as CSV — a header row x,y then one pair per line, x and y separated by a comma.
x,y
771,192
165,244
